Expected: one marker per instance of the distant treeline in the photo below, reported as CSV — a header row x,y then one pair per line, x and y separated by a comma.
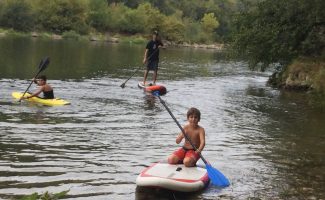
x,y
262,31
179,21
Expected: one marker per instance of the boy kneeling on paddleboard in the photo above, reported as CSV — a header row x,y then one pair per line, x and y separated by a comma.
x,y
196,134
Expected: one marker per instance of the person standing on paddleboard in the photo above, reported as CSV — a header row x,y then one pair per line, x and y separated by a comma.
x,y
151,57
196,134
44,87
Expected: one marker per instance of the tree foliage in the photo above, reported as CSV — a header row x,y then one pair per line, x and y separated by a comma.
x,y
277,31
209,19
174,29
16,14
98,15
59,16
209,22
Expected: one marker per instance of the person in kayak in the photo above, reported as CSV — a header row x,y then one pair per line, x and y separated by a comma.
x,y
196,133
151,57
44,87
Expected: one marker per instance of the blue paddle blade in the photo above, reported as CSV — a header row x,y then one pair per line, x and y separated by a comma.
x,y
216,177
156,93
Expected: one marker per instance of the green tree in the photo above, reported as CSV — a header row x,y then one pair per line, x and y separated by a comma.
x,y
59,16
277,31
154,18
117,17
209,22
16,14
167,7
192,8
129,3
98,15
134,21
192,30
178,20
173,28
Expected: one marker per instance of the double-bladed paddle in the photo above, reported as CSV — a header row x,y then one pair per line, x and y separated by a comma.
x,y
41,67
215,175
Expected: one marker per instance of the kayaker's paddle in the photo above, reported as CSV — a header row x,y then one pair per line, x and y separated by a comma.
x,y
41,67
215,175
123,84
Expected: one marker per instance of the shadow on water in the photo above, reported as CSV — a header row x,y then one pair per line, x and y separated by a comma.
x,y
143,193
9,103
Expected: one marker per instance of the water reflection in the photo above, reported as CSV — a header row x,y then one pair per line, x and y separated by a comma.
x,y
79,60
142,193
150,101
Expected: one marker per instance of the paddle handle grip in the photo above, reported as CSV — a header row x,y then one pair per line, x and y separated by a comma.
x,y
180,127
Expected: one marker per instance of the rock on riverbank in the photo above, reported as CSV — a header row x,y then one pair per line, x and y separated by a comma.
x,y
302,74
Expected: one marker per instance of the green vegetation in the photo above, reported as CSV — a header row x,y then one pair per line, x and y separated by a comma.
x,y
180,21
46,196
71,35
289,34
276,31
302,74
263,32
16,15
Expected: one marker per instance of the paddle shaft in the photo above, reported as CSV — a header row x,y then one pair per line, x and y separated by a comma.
x,y
123,84
42,66
39,71
180,127
132,75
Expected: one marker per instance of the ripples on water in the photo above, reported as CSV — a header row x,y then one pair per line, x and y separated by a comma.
x,y
97,146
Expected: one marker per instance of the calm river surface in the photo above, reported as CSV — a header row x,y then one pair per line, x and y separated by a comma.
x,y
270,144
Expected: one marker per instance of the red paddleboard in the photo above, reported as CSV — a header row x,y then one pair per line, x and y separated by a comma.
x,y
153,88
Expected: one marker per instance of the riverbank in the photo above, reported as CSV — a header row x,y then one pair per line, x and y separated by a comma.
x,y
303,74
107,37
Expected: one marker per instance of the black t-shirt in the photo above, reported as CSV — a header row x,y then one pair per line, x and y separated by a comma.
x,y
153,50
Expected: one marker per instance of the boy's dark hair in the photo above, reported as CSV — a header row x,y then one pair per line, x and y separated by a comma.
x,y
194,111
42,77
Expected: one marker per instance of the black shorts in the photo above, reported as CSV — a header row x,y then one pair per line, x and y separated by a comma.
x,y
152,65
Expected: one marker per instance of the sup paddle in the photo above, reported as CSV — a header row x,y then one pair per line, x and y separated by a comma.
x,y
123,84
41,67
215,175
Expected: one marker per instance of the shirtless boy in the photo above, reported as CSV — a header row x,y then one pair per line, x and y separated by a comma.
x,y
196,133
44,87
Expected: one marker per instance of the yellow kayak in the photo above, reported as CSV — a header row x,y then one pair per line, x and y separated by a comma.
x,y
48,102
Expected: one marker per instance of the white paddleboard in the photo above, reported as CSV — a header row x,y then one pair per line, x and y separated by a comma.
x,y
141,85
174,177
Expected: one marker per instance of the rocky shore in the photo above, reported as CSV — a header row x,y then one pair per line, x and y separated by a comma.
x,y
303,74
215,46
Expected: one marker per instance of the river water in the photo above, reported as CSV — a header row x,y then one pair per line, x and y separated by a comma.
x,y
269,143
